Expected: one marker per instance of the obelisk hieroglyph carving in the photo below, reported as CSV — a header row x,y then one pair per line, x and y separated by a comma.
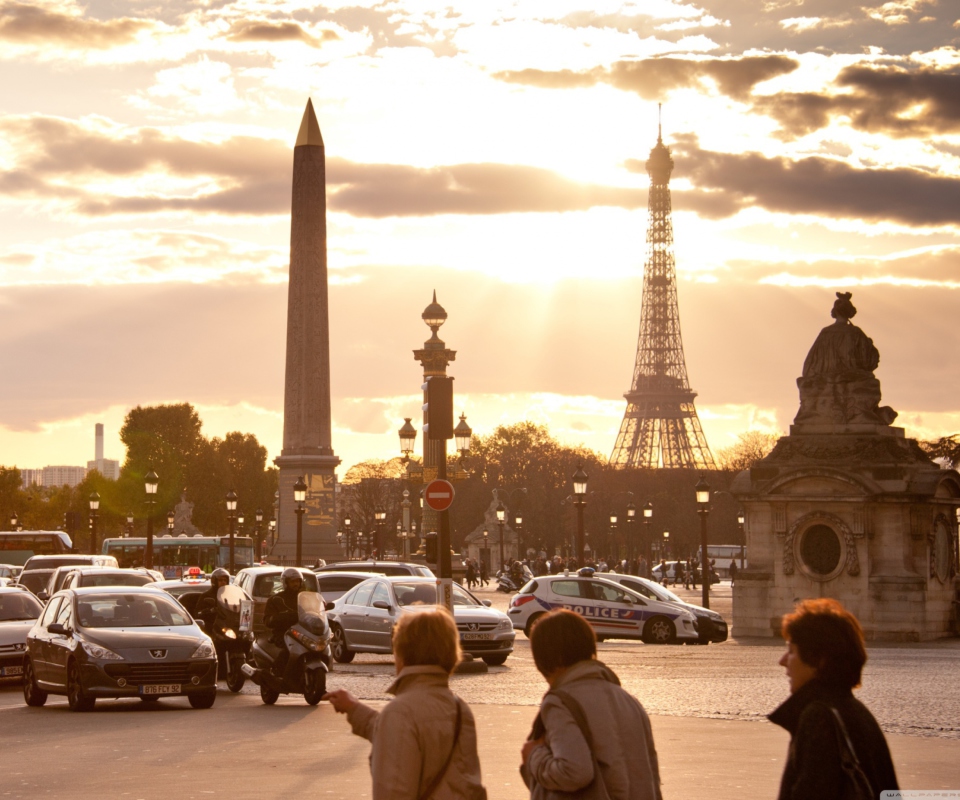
x,y
307,445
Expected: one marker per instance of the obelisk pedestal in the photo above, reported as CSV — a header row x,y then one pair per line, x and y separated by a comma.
x,y
307,446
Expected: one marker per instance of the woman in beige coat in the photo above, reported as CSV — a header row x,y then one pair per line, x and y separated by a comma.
x,y
425,740
592,739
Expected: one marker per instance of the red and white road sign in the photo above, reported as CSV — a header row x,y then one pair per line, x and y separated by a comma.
x,y
439,495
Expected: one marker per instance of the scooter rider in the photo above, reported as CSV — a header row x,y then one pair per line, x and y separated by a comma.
x,y
207,610
516,574
281,613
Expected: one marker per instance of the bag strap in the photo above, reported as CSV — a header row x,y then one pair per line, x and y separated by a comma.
x,y
576,711
446,764
848,758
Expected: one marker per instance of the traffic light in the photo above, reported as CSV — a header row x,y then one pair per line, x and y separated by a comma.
x,y
430,545
438,408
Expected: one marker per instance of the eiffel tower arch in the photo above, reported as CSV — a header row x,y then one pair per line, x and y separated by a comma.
x,y
660,428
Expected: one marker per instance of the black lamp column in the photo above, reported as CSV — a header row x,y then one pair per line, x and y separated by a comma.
x,y
648,545
150,484
580,495
501,515
299,497
346,525
379,515
743,534
231,515
703,508
631,535
258,544
94,507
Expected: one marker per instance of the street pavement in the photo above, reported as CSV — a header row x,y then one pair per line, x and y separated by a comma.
x,y
707,707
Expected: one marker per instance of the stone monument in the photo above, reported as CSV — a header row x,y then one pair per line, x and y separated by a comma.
x,y
307,445
847,507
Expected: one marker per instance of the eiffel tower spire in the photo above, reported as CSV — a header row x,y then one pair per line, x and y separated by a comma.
x,y
660,427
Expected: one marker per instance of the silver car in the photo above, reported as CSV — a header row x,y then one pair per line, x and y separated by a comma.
x,y
362,620
19,610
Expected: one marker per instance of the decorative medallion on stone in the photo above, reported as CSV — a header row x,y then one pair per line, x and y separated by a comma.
x,y
824,544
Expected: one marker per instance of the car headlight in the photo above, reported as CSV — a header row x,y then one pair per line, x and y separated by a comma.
x,y
504,625
99,653
204,650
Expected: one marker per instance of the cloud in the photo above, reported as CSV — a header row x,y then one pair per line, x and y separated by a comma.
x,y
652,78
244,175
265,31
890,100
28,24
818,185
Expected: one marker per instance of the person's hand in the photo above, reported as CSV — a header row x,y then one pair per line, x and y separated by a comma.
x,y
342,701
528,747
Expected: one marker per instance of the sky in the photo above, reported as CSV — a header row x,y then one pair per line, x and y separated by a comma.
x,y
492,151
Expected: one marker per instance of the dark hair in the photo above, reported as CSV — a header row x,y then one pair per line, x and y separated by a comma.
x,y
561,639
828,638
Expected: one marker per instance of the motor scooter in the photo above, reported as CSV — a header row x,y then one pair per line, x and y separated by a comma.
x,y
231,638
307,643
506,584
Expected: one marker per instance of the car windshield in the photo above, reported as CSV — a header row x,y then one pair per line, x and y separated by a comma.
x,y
35,580
129,611
409,594
116,579
19,605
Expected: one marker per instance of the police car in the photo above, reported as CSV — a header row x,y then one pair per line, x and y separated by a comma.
x,y
613,611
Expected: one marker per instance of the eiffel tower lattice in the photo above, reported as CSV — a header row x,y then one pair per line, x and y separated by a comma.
x,y
660,427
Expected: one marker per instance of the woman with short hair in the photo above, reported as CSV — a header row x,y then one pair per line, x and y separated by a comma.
x,y
829,728
589,730
424,740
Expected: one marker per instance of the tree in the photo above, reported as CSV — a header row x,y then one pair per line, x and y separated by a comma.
x,y
750,447
945,449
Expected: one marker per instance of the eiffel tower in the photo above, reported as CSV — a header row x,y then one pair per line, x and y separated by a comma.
x,y
660,427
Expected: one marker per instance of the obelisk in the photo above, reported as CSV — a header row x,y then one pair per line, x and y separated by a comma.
x,y
307,446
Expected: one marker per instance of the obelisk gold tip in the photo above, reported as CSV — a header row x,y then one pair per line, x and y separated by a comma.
x,y
309,128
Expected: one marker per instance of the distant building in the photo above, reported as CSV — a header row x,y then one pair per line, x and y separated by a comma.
x,y
63,476
31,477
105,466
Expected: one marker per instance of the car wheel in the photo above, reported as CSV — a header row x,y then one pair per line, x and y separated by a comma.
x,y
530,623
659,630
76,699
315,682
203,699
269,696
32,694
495,661
338,646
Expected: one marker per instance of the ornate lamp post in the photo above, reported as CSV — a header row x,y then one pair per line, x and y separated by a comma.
x,y
486,548
647,516
743,536
501,515
129,523
703,508
631,543
340,538
299,497
14,521
408,438
580,495
94,507
258,516
150,485
231,515
273,532
613,536
518,528
379,515
666,544
346,525
171,518
405,507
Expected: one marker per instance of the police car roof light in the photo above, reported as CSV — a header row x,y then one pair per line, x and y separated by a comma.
x,y
586,572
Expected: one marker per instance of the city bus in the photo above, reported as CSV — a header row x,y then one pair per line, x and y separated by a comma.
x,y
175,555
17,546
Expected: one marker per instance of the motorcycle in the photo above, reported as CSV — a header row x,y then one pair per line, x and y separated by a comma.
x,y
506,584
231,641
309,662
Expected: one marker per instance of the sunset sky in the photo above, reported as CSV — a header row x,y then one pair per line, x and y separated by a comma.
x,y
492,151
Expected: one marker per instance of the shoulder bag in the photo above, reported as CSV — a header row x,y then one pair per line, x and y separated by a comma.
x,y
446,764
858,784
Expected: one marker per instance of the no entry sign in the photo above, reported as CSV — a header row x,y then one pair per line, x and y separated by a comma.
x,y
439,495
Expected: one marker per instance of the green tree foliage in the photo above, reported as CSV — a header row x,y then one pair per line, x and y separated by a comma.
x,y
750,447
945,449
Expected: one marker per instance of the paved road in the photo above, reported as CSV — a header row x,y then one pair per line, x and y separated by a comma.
x,y
707,706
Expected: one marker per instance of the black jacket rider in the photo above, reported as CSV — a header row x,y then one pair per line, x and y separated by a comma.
x,y
281,613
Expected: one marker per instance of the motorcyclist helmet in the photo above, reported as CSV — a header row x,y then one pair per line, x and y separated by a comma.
x,y
219,577
291,579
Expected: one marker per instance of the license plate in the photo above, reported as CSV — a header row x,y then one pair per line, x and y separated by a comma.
x,y
7,671
161,688
472,637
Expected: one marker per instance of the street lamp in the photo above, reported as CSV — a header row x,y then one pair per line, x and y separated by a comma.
x,y
517,527
743,534
613,534
129,523
346,524
379,515
666,545
259,544
408,438
405,506
94,507
273,532
580,495
299,496
647,516
486,548
631,519
171,518
14,521
340,538
150,482
703,508
501,515
231,515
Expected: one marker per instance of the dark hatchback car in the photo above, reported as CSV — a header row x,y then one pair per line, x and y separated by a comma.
x,y
111,642
19,610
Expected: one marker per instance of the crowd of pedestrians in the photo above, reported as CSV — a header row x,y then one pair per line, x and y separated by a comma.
x,y
593,739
